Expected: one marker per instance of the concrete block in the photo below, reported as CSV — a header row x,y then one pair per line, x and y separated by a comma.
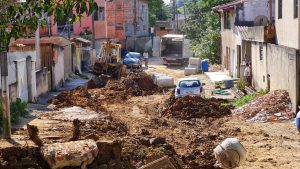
x,y
165,81
74,153
197,67
195,61
190,71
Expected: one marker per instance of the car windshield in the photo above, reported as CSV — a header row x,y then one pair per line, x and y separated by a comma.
x,y
131,55
189,83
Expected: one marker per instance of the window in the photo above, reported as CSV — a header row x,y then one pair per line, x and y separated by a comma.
x,y
295,8
99,14
261,49
227,22
279,9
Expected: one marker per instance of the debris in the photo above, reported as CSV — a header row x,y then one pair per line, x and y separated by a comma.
x,y
273,106
134,84
76,97
76,130
75,153
33,133
196,107
157,141
22,157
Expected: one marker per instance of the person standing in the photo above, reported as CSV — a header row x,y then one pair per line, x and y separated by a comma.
x,y
247,74
146,58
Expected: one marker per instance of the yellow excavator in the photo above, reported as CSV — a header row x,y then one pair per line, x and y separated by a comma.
x,y
110,61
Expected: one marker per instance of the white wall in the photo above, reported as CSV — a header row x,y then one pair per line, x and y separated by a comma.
x,y
22,86
259,67
287,27
254,8
15,56
59,69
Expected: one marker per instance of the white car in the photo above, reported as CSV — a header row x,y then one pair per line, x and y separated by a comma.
x,y
189,87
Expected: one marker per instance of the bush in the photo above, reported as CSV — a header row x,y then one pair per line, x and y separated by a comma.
x,y
244,100
18,109
241,85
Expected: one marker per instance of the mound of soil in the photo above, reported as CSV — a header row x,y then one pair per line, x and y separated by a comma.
x,y
76,97
134,84
103,128
195,107
273,106
21,158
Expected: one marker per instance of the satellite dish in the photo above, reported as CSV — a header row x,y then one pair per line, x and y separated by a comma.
x,y
261,20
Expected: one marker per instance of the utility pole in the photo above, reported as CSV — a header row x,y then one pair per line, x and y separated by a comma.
x,y
5,96
135,26
93,29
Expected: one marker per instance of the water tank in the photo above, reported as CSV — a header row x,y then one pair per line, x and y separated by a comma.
x,y
228,84
298,120
204,65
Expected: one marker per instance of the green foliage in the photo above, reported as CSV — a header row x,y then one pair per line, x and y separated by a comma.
x,y
262,92
21,19
158,10
241,85
18,109
203,28
244,100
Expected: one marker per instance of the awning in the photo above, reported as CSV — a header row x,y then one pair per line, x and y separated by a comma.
x,y
227,6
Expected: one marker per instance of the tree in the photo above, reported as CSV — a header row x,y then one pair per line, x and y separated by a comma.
x,y
21,19
158,10
203,28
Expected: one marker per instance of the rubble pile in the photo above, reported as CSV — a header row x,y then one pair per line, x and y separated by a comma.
x,y
273,106
22,157
102,128
98,82
79,96
134,84
195,107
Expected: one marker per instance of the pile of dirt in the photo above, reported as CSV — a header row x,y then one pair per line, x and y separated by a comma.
x,y
134,84
103,128
98,81
76,97
273,106
22,157
195,107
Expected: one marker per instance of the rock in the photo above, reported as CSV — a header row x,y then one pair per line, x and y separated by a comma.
x,y
109,150
162,163
74,153
157,141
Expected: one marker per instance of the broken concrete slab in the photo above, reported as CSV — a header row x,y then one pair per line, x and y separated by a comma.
x,y
162,163
74,153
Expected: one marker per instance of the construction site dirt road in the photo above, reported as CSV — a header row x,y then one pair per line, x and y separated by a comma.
x,y
149,124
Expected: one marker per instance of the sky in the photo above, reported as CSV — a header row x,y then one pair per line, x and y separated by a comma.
x,y
167,1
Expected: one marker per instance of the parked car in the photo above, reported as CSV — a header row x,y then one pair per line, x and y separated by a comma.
x,y
189,87
133,60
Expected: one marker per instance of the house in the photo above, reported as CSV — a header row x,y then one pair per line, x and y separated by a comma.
x,y
256,32
236,17
163,28
82,54
116,20
53,65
